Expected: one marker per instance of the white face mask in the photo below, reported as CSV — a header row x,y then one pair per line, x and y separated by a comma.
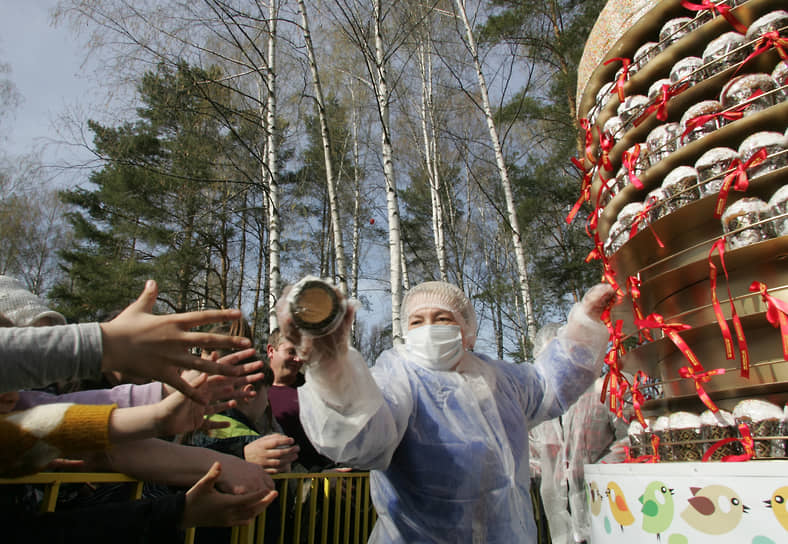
x,y
437,347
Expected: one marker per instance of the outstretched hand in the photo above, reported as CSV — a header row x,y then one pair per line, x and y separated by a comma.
x,y
208,507
274,452
178,413
157,346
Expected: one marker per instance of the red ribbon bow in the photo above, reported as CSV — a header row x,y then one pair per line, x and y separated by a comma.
x,y
776,312
588,141
671,330
622,77
722,9
700,378
660,105
630,159
606,143
719,246
737,178
767,40
732,114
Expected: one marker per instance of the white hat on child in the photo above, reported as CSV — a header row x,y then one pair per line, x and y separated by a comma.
x,y
23,308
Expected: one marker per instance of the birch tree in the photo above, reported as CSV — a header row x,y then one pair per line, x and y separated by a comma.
x,y
320,104
427,114
376,59
517,239
274,272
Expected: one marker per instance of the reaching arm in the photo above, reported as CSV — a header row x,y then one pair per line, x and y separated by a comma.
x,y
136,342
178,465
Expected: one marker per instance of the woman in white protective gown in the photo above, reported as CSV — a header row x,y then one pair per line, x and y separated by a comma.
x,y
444,430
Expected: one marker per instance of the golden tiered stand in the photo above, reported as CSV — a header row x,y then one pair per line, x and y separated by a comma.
x,y
675,278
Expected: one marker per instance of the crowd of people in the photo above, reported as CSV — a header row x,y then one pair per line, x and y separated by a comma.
x,y
199,426
444,430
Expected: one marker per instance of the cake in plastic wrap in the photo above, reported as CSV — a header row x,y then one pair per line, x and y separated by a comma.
x,y
743,90
711,168
684,436
655,201
682,186
766,423
717,426
693,113
773,143
741,222
777,213
662,141
675,29
687,70
774,21
723,52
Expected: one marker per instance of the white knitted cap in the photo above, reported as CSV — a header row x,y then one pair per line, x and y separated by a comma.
x,y
23,308
439,294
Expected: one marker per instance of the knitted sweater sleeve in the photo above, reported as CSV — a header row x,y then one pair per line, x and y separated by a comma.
x,y
31,439
38,356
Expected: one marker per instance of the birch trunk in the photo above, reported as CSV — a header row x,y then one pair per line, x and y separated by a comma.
x,y
503,172
339,249
356,247
392,205
272,174
431,155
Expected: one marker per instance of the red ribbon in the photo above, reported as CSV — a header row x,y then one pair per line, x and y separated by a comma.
x,y
653,458
722,9
732,114
585,194
638,398
746,441
776,312
629,159
588,140
700,378
633,286
737,178
613,377
767,40
655,447
606,143
622,77
661,104
744,354
641,216
671,330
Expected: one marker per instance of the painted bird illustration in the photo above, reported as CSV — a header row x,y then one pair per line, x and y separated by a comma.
x,y
618,505
714,509
657,501
594,498
778,504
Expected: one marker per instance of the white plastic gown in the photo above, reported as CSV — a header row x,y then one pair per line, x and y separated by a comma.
x,y
448,450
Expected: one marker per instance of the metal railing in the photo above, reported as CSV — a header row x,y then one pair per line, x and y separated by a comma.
x,y
313,508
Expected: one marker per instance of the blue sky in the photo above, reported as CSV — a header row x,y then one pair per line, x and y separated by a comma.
x,y
46,69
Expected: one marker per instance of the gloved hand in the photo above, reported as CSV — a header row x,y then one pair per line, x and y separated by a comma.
x,y
312,349
584,327
596,299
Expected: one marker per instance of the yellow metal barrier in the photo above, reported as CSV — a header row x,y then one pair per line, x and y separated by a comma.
x,y
315,508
